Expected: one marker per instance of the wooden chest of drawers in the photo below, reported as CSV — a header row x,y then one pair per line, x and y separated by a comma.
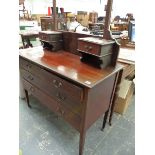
x,y
75,91
64,94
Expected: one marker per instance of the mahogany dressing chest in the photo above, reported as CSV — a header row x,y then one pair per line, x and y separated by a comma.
x,y
76,91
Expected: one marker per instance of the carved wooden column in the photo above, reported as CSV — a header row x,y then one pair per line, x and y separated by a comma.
x,y
108,9
54,15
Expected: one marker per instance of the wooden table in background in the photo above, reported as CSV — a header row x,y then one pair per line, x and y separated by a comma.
x,y
26,36
127,59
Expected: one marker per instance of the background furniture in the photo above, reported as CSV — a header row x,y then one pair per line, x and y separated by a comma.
x,y
26,36
127,59
47,23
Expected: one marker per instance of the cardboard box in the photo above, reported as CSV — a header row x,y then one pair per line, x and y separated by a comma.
x,y
83,19
124,96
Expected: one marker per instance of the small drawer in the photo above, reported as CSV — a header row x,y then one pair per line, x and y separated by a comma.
x,y
53,105
89,47
44,37
50,36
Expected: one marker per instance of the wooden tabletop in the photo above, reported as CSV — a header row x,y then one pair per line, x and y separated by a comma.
x,y
68,65
127,55
29,33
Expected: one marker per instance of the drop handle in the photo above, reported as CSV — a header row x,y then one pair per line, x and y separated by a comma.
x,y
60,97
28,66
62,112
30,77
88,48
57,109
57,84
32,89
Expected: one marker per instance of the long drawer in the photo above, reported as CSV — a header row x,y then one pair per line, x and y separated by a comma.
x,y
58,94
53,105
53,81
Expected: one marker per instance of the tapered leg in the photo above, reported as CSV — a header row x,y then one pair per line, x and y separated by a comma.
x,y
24,46
27,98
82,141
29,43
118,79
111,113
105,120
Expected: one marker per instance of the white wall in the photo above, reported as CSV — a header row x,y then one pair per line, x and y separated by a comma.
x,y
120,7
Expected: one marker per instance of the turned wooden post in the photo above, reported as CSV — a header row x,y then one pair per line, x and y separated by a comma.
x,y
108,9
54,15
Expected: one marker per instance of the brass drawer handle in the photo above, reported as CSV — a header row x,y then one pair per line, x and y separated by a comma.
x,y
88,47
60,97
44,37
57,109
32,89
30,77
28,66
60,111
57,84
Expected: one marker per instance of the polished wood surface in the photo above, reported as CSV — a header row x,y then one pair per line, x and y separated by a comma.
x,y
69,66
79,93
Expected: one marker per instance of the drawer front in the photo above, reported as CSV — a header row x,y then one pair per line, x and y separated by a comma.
x,y
55,37
58,83
44,37
89,47
60,95
53,105
50,37
28,66
53,81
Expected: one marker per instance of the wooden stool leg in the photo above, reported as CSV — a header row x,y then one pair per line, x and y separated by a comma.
x,y
27,98
28,42
82,141
105,120
24,46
